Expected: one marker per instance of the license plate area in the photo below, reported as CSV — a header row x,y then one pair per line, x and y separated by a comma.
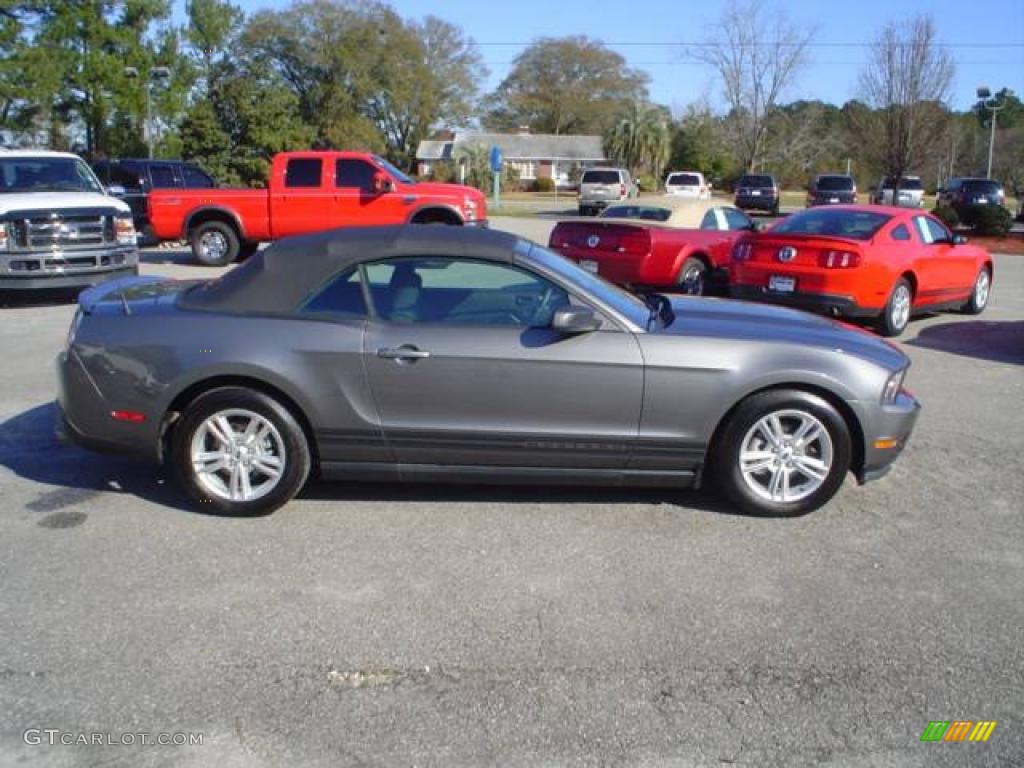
x,y
589,265
781,283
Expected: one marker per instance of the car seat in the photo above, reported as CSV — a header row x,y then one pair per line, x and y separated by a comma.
x,y
404,289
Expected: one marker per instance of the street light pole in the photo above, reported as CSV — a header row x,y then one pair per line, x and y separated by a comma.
x,y
988,101
156,74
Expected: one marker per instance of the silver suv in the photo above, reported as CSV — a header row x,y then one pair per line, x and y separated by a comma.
x,y
600,187
911,192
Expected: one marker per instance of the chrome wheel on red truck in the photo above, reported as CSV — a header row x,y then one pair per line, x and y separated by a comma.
x,y
214,244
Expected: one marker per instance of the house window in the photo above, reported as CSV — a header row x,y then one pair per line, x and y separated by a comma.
x,y
527,169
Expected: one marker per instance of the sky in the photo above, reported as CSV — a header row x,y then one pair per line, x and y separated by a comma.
x,y
986,39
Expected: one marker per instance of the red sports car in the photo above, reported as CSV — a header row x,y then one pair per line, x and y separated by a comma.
x,y
862,262
670,244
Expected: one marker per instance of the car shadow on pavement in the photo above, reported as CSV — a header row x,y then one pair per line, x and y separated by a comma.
x,y
29,448
1001,342
43,297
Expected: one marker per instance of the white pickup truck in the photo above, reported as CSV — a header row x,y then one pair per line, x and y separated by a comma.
x,y
59,228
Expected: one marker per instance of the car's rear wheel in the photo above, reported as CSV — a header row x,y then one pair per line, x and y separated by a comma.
x,y
896,315
214,243
693,276
240,452
980,293
783,453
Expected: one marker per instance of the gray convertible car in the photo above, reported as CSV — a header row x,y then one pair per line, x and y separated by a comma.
x,y
442,353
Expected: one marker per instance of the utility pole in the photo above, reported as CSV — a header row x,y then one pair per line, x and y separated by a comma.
x,y
155,75
989,102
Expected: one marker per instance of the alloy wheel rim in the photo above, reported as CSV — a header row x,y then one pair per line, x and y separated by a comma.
x,y
213,245
238,455
900,307
786,456
693,281
981,289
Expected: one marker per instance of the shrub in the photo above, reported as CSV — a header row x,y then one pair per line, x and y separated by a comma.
x,y
544,185
647,183
946,215
993,220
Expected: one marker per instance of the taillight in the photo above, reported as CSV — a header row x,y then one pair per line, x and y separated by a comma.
x,y
839,259
622,190
742,252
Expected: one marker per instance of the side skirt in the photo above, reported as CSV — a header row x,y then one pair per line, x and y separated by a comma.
x,y
451,473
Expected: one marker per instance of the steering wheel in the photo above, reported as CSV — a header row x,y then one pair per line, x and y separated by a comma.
x,y
545,304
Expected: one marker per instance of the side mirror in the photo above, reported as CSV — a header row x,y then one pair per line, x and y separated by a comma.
x,y
575,320
116,190
959,240
382,183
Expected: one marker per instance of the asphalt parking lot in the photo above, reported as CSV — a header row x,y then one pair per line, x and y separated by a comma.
x,y
465,626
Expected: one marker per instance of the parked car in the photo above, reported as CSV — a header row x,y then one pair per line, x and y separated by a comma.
x,y
600,187
911,192
58,226
863,262
961,194
137,177
688,184
757,192
445,353
307,192
675,244
832,189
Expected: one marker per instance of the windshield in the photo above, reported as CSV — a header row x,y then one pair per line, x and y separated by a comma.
x,y
382,163
645,212
626,304
911,183
856,225
835,183
683,180
756,181
981,186
600,177
46,174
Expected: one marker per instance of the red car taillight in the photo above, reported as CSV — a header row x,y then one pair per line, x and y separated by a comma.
x,y
839,259
742,252
622,190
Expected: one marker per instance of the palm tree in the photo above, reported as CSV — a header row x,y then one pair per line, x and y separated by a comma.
x,y
640,138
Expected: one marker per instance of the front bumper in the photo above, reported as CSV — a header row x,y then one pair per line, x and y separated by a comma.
x,y
887,429
478,223
27,271
822,303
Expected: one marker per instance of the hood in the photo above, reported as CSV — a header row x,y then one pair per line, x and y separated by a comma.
x,y
458,191
730,319
58,201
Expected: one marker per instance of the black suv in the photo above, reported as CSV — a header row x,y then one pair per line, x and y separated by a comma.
x,y
757,192
832,189
139,176
960,194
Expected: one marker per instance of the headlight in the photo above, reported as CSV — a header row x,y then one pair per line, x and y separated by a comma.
x,y
73,330
893,386
124,230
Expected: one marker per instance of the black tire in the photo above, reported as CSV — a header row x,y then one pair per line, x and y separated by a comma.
x,y
215,244
893,321
728,468
980,293
693,276
774,212
247,250
288,444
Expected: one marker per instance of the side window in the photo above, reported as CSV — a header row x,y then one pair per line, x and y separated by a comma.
x,y
736,220
924,232
303,173
453,291
900,233
162,176
195,178
710,221
350,173
939,232
126,176
342,296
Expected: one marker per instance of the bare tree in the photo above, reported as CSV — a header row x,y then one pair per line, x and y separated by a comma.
x,y
907,80
756,54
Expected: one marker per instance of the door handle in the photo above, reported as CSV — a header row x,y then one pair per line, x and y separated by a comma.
x,y
405,352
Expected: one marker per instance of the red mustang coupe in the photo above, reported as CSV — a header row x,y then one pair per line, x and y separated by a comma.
x,y
862,262
672,244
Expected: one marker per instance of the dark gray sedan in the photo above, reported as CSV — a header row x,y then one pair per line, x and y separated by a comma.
x,y
441,353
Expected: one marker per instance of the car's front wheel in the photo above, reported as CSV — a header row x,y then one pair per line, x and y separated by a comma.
x,y
782,453
237,451
693,276
980,293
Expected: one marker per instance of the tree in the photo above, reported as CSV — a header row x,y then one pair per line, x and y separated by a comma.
x,y
907,80
697,144
756,55
565,85
212,26
640,138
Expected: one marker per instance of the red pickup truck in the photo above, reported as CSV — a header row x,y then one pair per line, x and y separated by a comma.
x,y
307,192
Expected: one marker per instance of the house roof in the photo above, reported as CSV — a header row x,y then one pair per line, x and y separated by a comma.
x,y
518,146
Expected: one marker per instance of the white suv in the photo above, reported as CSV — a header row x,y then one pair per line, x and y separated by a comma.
x,y
59,228
600,187
687,184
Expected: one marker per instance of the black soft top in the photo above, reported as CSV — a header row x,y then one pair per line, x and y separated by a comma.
x,y
277,279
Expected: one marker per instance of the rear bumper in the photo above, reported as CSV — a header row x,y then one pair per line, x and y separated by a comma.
x,y
824,303
759,203
891,426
